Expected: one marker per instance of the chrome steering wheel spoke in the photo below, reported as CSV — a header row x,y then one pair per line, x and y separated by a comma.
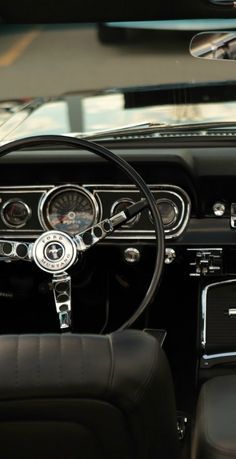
x,y
100,231
15,250
61,285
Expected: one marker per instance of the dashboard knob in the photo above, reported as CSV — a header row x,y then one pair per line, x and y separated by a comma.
x,y
219,209
170,256
132,255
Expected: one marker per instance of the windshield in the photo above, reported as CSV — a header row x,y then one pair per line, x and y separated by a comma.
x,y
79,78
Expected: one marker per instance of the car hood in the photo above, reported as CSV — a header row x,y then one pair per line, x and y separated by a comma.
x,y
92,111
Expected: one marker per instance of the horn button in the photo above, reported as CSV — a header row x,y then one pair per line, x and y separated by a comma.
x,y
54,252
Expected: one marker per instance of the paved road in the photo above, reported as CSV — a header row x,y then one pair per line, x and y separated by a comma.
x,y
48,60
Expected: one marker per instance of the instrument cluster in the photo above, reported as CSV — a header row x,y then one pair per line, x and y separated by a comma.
x,y
28,211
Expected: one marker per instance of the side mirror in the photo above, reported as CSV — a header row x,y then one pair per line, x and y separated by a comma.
x,y
214,45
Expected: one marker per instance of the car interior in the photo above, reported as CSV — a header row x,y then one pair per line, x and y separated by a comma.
x,y
118,258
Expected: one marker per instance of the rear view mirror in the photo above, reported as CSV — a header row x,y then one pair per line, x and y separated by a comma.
x,y
214,45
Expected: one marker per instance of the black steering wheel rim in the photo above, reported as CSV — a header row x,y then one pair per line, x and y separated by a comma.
x,y
103,152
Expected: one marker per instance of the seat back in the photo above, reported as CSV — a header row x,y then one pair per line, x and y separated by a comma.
x,y
88,396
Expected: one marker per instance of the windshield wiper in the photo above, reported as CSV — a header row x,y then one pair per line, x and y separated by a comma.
x,y
129,129
156,128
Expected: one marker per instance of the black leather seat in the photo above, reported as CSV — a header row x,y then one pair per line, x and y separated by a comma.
x,y
215,428
86,396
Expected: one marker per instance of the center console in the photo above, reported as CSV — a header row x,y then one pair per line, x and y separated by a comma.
x,y
215,269
214,435
218,322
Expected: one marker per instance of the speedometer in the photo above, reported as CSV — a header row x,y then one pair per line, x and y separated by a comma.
x,y
71,209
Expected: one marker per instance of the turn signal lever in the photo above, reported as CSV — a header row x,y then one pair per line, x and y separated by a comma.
x,y
134,209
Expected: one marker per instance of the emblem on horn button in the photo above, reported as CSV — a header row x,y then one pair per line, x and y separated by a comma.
x,y
54,251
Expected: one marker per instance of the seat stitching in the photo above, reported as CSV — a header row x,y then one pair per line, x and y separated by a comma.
x,y
82,360
112,364
60,362
143,386
17,362
39,360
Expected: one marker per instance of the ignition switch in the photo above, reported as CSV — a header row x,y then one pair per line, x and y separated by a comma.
x,y
132,255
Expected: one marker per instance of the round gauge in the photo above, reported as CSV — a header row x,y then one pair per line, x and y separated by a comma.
x,y
168,211
122,204
15,213
69,209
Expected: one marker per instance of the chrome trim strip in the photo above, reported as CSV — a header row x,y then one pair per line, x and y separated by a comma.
x,y
141,236
23,236
206,248
26,188
33,234
18,234
117,186
204,305
217,356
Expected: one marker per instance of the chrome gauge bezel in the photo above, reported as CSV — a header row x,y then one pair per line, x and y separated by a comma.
x,y
176,210
130,222
46,199
9,201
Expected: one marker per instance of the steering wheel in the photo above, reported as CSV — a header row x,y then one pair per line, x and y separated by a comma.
x,y
55,251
